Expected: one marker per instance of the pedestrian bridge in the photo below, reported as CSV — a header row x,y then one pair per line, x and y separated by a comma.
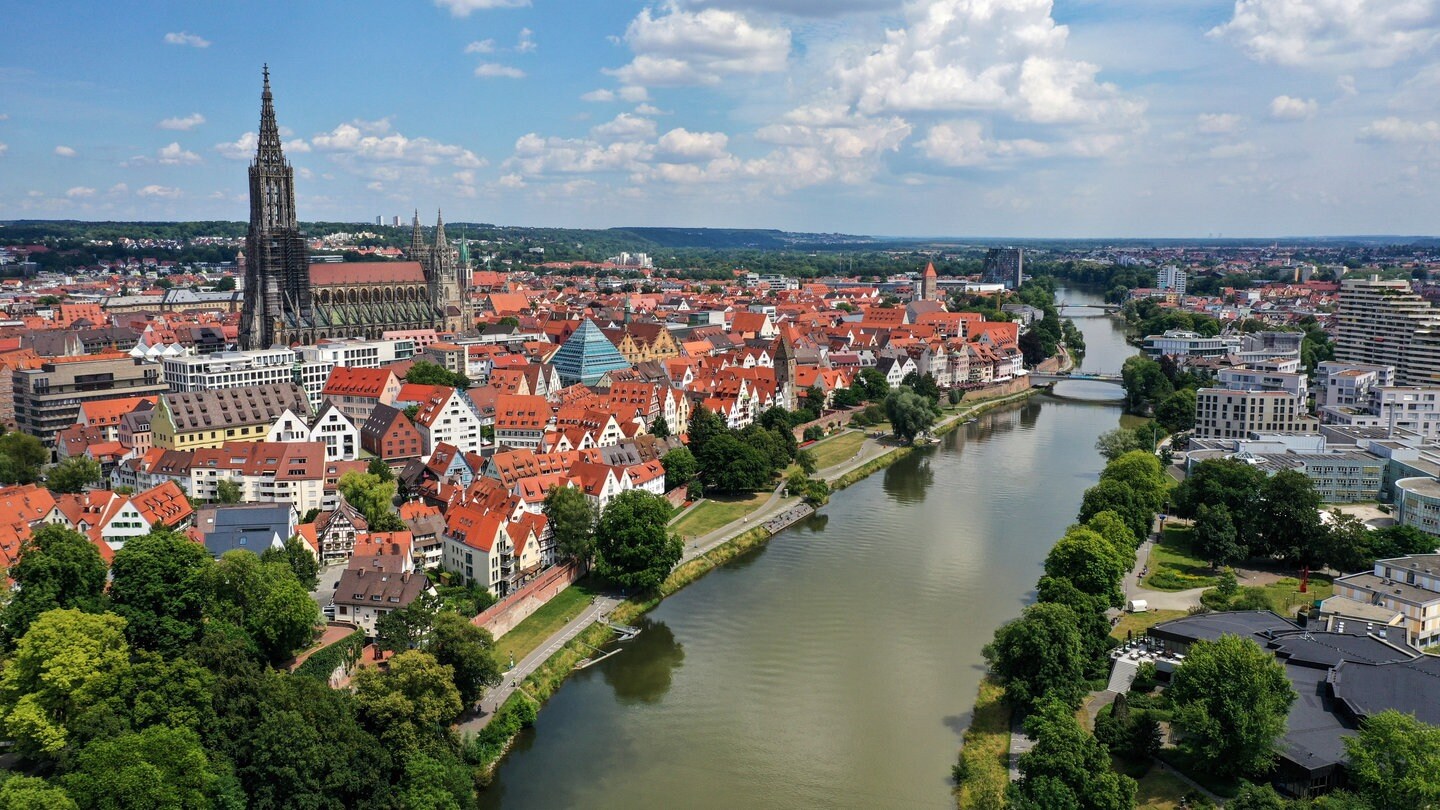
x,y
1064,305
1041,379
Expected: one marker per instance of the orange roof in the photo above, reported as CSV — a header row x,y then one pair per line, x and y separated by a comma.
x,y
108,411
357,382
165,504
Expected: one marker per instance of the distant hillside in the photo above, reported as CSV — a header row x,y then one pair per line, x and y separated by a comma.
x,y
739,238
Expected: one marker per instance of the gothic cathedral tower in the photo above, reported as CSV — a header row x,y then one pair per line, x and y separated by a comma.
x,y
277,305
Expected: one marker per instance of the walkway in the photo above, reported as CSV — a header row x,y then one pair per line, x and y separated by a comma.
x,y
1156,600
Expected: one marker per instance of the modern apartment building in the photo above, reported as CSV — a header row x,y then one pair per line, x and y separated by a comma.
x,y
1385,323
1170,278
1004,266
212,372
1180,343
1230,414
1402,585
1349,384
48,398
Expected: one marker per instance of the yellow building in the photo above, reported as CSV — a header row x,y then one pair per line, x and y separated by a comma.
x,y
199,419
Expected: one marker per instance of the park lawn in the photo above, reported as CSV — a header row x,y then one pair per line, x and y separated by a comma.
x,y
985,750
545,622
1138,623
1173,567
1183,762
1286,597
836,449
1158,789
717,512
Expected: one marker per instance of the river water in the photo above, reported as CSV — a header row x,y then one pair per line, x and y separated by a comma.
x,y
836,666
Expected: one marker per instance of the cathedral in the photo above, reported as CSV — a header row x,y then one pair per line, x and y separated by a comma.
x,y
288,300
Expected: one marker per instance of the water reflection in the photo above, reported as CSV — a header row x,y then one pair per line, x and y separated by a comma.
x,y
815,524
907,479
1029,415
643,670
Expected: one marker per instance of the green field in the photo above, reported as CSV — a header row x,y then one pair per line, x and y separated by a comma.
x,y
1159,789
1138,623
717,512
984,767
1173,567
544,622
836,449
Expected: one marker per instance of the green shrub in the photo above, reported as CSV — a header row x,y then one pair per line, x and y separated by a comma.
x,y
344,652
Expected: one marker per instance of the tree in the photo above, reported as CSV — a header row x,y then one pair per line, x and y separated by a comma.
x,y
152,691
922,384
42,687
58,568
1230,699
159,587
1256,797
909,413
74,474
1111,495
21,457
1039,655
705,426
380,469
424,372
373,497
1113,444
1145,384
1288,524
301,560
409,703
1215,538
1113,528
1177,411
806,460
1091,621
730,465
572,518
227,491
660,428
33,793
634,548
225,284
680,467
266,600
158,767
1067,767
1394,761
1232,483
1091,562
405,628
873,384
469,651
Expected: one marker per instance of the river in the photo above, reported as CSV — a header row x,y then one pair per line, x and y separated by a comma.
x,y
836,666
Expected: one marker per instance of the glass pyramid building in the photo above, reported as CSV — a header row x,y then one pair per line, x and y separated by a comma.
x,y
586,356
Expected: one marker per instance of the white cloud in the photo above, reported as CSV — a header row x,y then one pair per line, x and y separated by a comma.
x,y
1399,130
803,8
1333,33
511,181
1218,123
1289,108
634,94
164,192
963,143
373,142
495,70
535,155
184,124
4,147
680,145
599,96
463,8
187,39
481,46
525,42
243,148
80,191
624,127
65,151
119,188
649,109
965,55
176,155
686,48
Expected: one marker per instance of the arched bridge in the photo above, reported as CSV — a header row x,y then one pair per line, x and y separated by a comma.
x,y
1040,379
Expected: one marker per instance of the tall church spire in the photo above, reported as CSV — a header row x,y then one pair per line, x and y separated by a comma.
x,y
442,246
417,240
268,153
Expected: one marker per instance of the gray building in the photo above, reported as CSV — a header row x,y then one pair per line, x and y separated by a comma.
x,y
1004,266
245,527
48,398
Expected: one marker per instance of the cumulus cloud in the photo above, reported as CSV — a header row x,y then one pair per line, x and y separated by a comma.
x,y
599,96
1218,123
65,151
1289,108
243,148
964,143
679,47
163,192
176,155
481,46
183,124
186,39
525,42
1399,130
680,145
495,70
79,192
119,188
463,8
4,147
536,155
624,127
802,8
1332,33
373,142
961,55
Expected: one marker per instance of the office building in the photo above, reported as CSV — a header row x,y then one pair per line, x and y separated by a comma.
x,y
1231,414
229,369
1180,343
1004,266
48,397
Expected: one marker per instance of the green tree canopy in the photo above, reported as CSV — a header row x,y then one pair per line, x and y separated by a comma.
x,y
572,518
424,372
33,793
1113,444
374,498
910,414
1288,524
729,465
1114,496
1145,384
1089,561
301,560
410,702
159,587
1177,411
660,427
1067,767
58,568
74,474
1039,655
634,547
158,767
680,467
469,651
266,600
1230,699
1394,761
21,457
1215,537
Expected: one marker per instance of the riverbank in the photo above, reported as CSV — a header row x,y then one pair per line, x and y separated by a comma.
x,y
535,682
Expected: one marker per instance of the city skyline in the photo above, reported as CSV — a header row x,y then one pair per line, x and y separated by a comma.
x,y
933,117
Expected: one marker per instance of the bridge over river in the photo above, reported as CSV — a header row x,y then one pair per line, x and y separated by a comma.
x,y
1099,307
1041,379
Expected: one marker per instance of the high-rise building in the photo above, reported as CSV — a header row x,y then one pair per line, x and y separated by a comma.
x,y
48,397
1170,277
1004,266
1385,323
1232,414
288,300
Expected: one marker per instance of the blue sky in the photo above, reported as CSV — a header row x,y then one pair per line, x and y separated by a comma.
x,y
904,117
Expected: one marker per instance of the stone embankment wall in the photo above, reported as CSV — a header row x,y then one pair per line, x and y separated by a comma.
x,y
501,617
